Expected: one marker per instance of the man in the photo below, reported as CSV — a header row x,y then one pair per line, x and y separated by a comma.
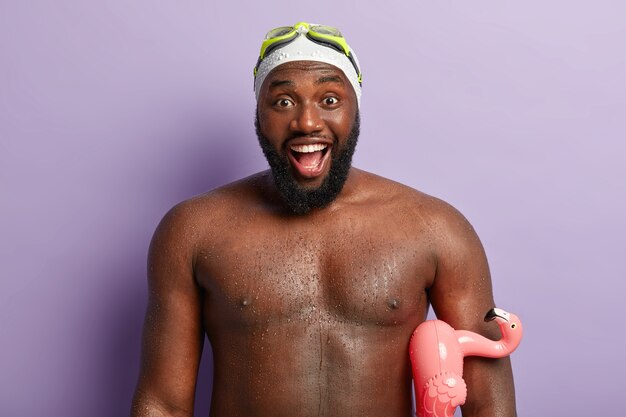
x,y
309,279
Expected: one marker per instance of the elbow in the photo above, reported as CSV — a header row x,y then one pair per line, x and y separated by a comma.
x,y
145,405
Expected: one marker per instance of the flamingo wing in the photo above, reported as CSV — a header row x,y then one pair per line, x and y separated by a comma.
x,y
442,394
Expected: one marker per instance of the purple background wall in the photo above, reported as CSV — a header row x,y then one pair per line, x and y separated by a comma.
x,y
111,112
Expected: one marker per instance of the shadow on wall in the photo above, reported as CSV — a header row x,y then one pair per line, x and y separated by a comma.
x,y
206,157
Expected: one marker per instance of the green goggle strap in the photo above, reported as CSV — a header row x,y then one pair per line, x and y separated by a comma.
x,y
332,40
337,43
273,42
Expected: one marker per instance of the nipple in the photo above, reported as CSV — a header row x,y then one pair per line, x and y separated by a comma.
x,y
393,304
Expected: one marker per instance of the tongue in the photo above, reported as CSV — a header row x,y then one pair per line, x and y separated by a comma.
x,y
310,159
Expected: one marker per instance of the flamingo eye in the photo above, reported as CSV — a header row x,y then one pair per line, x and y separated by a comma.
x,y
513,325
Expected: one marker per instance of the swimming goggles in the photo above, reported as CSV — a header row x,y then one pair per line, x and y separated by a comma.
x,y
323,35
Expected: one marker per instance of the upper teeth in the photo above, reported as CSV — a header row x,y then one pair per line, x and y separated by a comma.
x,y
308,148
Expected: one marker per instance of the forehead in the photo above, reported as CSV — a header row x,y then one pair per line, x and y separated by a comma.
x,y
303,72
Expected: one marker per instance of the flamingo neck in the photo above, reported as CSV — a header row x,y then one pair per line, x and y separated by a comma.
x,y
473,344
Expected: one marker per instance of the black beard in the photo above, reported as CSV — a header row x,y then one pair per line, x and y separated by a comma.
x,y
302,200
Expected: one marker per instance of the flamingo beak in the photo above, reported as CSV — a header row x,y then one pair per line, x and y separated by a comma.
x,y
496,312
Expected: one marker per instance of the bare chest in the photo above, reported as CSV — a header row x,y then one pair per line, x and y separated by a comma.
x,y
355,272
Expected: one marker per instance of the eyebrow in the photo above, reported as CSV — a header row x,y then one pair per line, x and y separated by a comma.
x,y
329,79
278,83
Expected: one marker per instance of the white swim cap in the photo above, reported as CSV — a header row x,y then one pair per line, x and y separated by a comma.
x,y
304,49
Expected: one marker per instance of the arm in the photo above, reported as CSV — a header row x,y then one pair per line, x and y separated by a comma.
x,y
460,295
173,332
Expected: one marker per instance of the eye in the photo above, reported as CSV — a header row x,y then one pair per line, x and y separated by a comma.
x,y
283,102
331,101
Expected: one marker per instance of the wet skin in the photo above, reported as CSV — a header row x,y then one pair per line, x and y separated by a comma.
x,y
310,315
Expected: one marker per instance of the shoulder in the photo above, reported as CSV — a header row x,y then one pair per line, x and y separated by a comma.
x,y
406,201
417,213
206,215
222,202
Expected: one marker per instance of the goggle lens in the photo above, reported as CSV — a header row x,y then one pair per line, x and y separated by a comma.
x,y
327,30
281,31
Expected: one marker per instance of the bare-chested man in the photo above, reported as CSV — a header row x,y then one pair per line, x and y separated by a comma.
x,y
310,278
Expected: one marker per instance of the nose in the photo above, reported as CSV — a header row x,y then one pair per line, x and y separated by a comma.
x,y
307,120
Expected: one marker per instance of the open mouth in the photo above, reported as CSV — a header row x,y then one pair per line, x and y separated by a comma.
x,y
309,160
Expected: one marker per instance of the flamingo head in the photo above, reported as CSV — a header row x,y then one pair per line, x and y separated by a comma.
x,y
510,326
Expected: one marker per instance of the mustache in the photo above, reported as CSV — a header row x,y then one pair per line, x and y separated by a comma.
x,y
314,135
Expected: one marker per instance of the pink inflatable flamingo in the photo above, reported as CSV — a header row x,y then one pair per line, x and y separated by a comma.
x,y
437,352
